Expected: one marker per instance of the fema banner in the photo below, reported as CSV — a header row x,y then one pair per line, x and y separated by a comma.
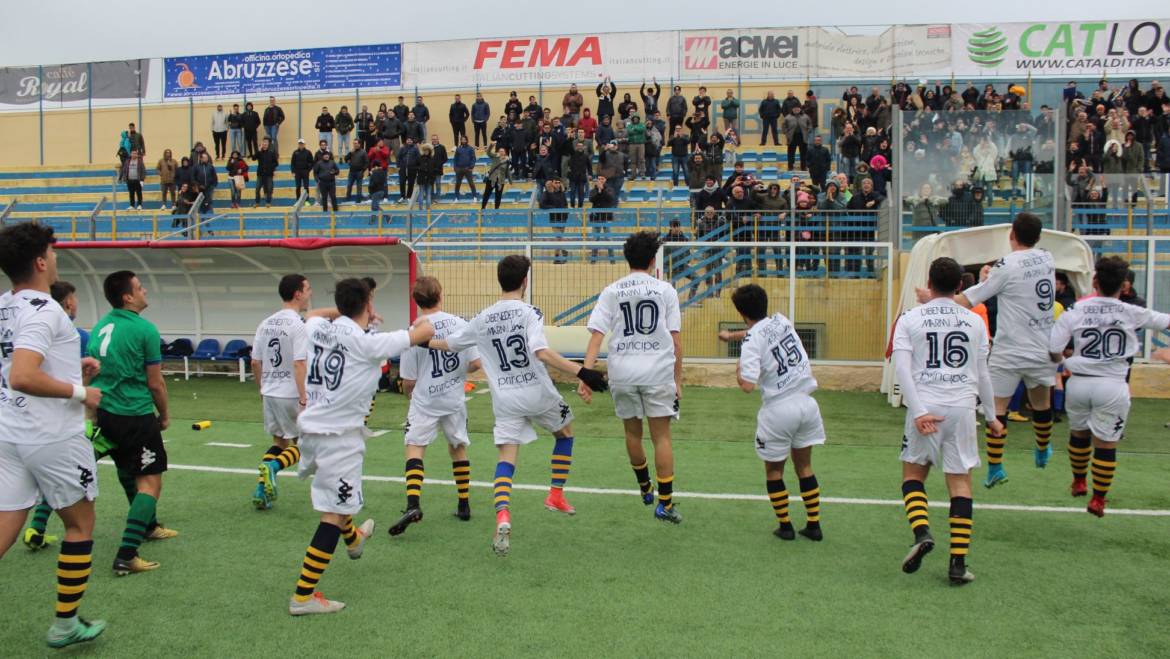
x,y
1087,48
347,67
124,80
560,59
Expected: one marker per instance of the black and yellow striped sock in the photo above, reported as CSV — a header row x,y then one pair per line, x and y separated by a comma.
x,y
461,469
666,491
414,481
288,457
961,510
778,494
642,473
317,558
1104,464
1080,449
916,504
270,454
74,564
995,443
503,485
349,532
562,460
810,491
40,519
137,522
1042,426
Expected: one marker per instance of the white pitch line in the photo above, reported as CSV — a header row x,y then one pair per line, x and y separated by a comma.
x,y
227,445
378,433
714,496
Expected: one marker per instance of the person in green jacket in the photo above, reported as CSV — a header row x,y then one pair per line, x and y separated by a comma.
x,y
636,140
730,108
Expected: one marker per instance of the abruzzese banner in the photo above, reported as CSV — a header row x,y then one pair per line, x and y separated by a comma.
x,y
1086,48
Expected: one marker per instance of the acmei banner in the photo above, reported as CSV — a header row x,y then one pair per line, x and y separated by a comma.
x,y
347,67
75,82
1089,48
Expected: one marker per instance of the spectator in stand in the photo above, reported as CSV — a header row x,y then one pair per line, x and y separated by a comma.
x,y
605,95
183,172
362,121
740,209
203,174
696,176
612,165
464,164
580,172
439,154
603,198
729,109
497,176
501,136
676,258
379,155
797,129
819,162
166,178
880,174
676,108
713,155
653,150
513,108
698,124
702,102
378,191
134,173
986,154
425,176
926,211
344,124
197,153
458,115
680,149
552,200
849,146
322,149
481,112
266,163
604,134
1114,168
237,172
130,140
789,103
627,107
235,122
546,167
273,118
392,130
407,160
325,172
325,125
709,226
518,143
422,115
636,136
413,129
811,109
401,109
650,96
572,102
769,115
301,165
251,122
219,131
710,194
358,161
188,193
772,206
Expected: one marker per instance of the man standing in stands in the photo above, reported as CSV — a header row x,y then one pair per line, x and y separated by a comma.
x,y
797,128
769,115
325,172
458,115
273,118
235,122
301,164
480,113
251,122
219,131
407,159
266,163
358,161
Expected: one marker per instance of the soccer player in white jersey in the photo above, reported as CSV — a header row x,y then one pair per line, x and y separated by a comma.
x,y
940,356
434,382
773,360
510,338
345,363
1023,283
1104,335
279,352
641,315
43,398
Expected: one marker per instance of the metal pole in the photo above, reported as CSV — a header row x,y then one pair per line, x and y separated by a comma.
x,y
138,93
190,123
300,117
93,218
41,109
7,211
895,223
1151,254
89,105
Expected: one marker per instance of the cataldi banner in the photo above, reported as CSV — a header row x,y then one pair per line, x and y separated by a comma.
x,y
124,80
1090,48
347,67
529,60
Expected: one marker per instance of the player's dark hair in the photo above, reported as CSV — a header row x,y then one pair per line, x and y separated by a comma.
x,y
751,301
641,248
1111,272
945,275
20,246
370,283
61,290
511,272
1027,227
1130,276
290,285
968,281
117,286
351,297
427,292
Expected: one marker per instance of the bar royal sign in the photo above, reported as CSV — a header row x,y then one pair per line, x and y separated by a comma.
x,y
1089,48
530,60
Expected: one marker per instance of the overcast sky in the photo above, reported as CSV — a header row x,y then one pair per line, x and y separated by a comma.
x,y
65,31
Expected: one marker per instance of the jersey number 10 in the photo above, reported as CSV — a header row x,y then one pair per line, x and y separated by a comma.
x,y
642,317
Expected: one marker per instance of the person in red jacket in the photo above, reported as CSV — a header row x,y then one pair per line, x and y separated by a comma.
x,y
379,155
587,123
237,167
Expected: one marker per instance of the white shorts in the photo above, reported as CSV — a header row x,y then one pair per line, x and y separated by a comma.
x,y
1099,405
421,429
954,446
62,472
280,417
793,422
644,401
519,429
335,462
1006,375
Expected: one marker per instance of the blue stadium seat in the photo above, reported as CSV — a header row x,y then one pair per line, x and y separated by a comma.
x,y
233,350
207,350
179,348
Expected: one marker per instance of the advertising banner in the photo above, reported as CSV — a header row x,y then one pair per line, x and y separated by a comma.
x,y
347,67
124,80
530,60
904,50
1088,48
749,53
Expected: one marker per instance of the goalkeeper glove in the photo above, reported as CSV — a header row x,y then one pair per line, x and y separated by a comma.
x,y
592,379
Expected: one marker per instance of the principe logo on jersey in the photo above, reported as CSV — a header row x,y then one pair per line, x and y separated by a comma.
x,y
343,491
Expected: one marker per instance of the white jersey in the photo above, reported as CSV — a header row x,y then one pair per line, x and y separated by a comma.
x,y
947,348
773,358
31,320
640,313
344,366
508,335
1104,335
439,376
1024,286
280,341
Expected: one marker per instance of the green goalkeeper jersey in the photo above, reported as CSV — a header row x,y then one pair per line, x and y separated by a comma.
x,y
125,343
